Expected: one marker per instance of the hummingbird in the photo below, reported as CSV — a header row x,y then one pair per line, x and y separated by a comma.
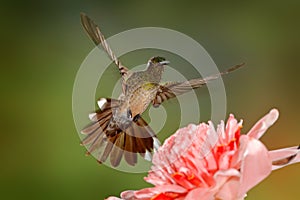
x,y
117,128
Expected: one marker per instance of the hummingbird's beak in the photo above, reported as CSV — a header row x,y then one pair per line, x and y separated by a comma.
x,y
165,62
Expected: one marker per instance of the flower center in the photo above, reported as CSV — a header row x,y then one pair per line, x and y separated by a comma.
x,y
187,181
165,196
231,145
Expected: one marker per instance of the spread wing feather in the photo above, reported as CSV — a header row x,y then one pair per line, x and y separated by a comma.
x,y
95,34
173,89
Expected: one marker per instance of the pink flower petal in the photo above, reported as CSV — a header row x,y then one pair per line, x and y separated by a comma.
x,y
150,192
224,177
296,159
128,195
256,163
232,126
113,198
284,157
229,190
200,193
283,153
226,173
225,160
263,124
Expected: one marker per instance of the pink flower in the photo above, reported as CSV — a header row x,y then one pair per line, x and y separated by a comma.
x,y
199,162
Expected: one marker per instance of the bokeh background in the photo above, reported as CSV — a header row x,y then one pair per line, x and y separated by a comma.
x,y
43,44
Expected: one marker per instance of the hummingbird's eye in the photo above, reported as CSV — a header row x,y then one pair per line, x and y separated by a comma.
x,y
129,114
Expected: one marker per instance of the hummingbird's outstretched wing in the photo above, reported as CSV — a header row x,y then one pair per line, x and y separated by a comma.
x,y
173,89
94,32
105,141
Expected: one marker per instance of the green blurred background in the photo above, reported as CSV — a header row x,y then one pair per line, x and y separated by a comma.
x,y
43,45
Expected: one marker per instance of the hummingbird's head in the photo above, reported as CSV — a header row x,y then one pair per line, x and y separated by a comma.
x,y
157,61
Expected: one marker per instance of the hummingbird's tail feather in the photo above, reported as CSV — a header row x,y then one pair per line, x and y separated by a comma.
x,y
130,148
137,138
104,138
144,136
95,132
95,34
